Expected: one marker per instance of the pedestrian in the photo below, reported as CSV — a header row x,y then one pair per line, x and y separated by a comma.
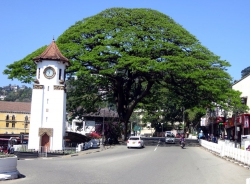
x,y
12,149
208,137
8,149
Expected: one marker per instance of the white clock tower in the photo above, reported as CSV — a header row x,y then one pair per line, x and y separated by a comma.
x,y
48,106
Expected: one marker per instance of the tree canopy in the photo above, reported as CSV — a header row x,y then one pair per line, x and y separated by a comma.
x,y
128,53
245,72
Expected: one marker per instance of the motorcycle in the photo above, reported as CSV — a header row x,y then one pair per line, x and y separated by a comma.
x,y
182,144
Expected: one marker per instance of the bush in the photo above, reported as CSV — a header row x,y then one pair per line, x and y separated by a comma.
x,y
4,155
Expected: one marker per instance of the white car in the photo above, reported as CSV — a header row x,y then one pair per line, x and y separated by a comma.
x,y
135,142
170,138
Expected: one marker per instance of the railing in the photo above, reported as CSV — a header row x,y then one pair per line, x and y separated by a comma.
x,y
227,149
43,151
21,147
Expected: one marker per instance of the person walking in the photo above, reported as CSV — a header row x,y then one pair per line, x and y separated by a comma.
x,y
12,149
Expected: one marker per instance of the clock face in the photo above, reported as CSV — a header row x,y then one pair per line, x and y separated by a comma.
x,y
49,72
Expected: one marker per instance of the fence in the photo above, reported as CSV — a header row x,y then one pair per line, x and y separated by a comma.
x,y
227,149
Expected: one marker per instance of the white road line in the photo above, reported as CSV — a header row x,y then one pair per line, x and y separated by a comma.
x,y
156,147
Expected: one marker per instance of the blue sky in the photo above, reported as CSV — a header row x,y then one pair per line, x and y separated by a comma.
x,y
222,26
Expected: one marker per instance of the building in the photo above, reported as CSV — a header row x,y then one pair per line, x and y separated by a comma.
x,y
94,121
224,124
242,120
14,118
2,97
48,106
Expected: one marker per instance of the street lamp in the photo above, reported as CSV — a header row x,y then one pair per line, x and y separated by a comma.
x,y
162,129
103,126
235,129
212,122
183,120
103,118
237,111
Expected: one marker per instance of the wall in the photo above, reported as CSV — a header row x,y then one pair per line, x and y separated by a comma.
x,y
244,87
19,123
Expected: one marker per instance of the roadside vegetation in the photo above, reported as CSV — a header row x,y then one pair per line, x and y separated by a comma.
x,y
137,59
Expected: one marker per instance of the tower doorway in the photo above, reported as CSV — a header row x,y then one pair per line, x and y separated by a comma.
x,y
45,143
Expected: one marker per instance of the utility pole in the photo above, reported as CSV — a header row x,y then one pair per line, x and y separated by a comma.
x,y
213,117
235,130
131,126
103,127
183,120
162,129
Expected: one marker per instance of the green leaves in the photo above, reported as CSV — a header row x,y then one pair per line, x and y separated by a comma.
x,y
131,54
24,70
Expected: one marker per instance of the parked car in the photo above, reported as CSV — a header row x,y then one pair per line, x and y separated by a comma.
x,y
135,142
170,138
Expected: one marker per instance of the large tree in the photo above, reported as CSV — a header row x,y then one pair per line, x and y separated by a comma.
x,y
245,72
128,51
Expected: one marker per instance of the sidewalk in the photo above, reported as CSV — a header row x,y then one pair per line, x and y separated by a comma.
x,y
89,151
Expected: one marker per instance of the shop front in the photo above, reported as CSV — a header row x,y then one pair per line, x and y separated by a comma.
x,y
242,127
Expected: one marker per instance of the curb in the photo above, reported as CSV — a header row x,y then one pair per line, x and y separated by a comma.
x,y
86,152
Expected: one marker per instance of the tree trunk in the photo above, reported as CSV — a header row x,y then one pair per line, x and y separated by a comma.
x,y
125,131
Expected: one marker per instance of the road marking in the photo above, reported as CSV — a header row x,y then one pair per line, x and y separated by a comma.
x,y
157,145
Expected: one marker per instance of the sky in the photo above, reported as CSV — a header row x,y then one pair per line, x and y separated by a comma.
x,y
222,26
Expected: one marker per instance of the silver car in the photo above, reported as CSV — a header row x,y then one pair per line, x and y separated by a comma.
x,y
170,138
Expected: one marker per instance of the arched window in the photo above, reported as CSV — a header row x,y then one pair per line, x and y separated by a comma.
x,y
7,117
60,73
13,117
39,73
26,118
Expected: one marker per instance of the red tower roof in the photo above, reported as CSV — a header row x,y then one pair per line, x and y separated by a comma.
x,y
52,53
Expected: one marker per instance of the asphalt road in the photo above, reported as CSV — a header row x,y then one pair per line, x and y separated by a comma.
x,y
119,165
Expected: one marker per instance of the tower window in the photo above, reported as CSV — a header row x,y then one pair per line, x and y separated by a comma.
x,y
13,125
13,117
39,73
7,124
48,88
60,73
7,117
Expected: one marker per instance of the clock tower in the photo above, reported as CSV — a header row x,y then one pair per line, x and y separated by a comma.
x,y
48,106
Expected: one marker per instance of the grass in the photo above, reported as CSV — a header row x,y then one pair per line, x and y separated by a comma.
x,y
4,155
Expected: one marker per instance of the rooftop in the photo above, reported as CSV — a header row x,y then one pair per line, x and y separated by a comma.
x,y
21,107
52,53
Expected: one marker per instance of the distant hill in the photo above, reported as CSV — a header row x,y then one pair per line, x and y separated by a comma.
x,y
15,93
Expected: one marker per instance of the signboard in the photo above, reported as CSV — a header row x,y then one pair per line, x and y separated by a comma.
x,y
220,119
137,128
203,121
231,123
246,121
